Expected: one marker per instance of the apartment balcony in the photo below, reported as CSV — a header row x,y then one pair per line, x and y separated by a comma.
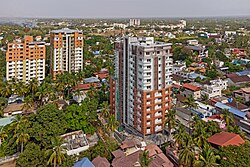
x,y
148,124
157,121
148,116
158,114
148,103
158,94
158,101
157,107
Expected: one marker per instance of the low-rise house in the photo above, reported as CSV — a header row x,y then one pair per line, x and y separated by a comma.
x,y
75,142
238,105
216,118
177,67
243,93
193,42
214,88
223,139
17,108
237,113
237,80
130,151
191,90
202,52
79,96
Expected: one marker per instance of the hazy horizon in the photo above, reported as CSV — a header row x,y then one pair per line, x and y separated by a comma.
x,y
124,8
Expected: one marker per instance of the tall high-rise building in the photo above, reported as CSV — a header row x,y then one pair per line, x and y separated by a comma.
x,y
67,51
134,22
140,90
25,59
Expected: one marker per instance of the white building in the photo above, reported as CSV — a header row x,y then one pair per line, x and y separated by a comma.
x,y
75,142
25,60
143,72
215,88
134,22
178,67
67,48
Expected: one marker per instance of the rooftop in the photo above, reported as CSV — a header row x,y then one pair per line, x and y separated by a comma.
x,y
191,87
100,162
75,142
65,30
231,109
238,79
85,162
5,121
91,80
226,139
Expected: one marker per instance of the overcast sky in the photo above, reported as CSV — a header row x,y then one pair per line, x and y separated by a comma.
x,y
123,8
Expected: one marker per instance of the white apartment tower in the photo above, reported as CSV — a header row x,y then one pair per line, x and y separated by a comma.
x,y
134,22
25,60
143,81
67,51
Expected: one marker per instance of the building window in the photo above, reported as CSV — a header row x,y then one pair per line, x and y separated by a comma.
x,y
147,53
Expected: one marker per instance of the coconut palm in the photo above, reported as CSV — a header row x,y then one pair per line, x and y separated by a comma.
x,y
180,135
145,159
170,120
105,109
3,135
207,158
186,155
32,87
5,89
21,136
20,88
190,102
112,123
228,117
56,154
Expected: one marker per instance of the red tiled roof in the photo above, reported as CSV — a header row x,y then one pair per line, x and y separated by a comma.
x,y
226,139
129,143
191,87
101,162
153,149
86,86
101,74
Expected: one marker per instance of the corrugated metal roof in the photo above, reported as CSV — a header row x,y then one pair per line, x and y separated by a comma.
x,y
5,121
231,109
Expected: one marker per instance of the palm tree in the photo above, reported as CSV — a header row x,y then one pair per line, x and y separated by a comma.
x,y
112,123
28,103
21,138
18,122
3,135
33,86
207,158
190,102
170,121
180,135
56,154
228,117
145,159
20,88
186,155
6,89
105,109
